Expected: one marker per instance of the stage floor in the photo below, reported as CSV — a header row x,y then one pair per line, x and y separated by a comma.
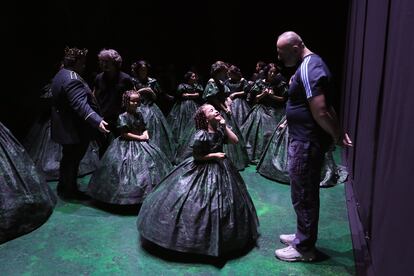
x,y
95,239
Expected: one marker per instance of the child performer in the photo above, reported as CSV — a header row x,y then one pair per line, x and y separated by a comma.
x,y
203,205
132,166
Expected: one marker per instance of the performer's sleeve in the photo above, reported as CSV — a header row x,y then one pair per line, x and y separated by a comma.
x,y
122,124
210,90
180,90
200,143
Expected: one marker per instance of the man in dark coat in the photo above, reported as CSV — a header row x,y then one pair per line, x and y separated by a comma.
x,y
108,89
74,119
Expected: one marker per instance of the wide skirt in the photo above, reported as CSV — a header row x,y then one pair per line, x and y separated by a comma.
x,y
240,109
26,201
158,129
46,153
258,128
128,172
235,152
200,207
181,120
274,162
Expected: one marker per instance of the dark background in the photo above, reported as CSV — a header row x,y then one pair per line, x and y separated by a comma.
x,y
172,36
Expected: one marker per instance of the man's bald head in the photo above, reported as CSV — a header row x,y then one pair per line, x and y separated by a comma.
x,y
290,38
289,47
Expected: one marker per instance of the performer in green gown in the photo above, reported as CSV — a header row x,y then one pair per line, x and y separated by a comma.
x,y
203,205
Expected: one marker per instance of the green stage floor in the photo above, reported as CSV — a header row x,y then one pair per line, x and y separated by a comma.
x,y
90,239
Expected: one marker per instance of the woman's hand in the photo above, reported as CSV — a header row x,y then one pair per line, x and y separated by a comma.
x,y
142,138
219,155
222,122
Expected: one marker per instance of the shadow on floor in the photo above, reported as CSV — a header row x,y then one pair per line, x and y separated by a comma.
x,y
175,256
324,254
122,210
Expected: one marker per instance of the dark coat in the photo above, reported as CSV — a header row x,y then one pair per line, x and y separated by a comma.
x,y
109,92
75,117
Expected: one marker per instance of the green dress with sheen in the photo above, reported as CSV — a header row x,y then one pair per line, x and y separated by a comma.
x,y
201,207
158,128
129,169
26,201
274,162
263,118
218,92
181,119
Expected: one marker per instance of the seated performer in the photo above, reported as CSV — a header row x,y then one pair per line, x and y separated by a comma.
x,y
203,205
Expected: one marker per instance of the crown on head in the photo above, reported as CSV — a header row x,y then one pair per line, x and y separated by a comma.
x,y
75,52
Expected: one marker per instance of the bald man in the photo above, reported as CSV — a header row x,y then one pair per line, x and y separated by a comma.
x,y
313,127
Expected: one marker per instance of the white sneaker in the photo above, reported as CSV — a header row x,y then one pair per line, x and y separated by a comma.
x,y
287,238
290,254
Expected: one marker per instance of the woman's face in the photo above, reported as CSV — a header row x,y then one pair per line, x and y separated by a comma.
x,y
211,113
107,65
193,79
133,102
271,75
143,72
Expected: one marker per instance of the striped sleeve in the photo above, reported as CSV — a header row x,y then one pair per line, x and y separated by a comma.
x,y
312,76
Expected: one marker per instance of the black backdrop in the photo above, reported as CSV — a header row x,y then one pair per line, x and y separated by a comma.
x,y
378,82
378,111
171,35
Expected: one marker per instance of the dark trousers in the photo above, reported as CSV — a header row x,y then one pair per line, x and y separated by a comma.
x,y
305,161
69,166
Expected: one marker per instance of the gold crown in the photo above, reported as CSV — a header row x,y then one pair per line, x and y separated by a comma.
x,y
75,52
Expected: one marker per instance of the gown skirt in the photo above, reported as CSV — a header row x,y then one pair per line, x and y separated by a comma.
x,y
201,207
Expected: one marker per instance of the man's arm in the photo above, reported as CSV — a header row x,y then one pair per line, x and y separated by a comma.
x,y
326,118
78,101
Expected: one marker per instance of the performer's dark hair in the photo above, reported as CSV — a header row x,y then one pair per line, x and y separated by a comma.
x,y
188,75
200,118
127,95
72,55
235,70
138,64
217,67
